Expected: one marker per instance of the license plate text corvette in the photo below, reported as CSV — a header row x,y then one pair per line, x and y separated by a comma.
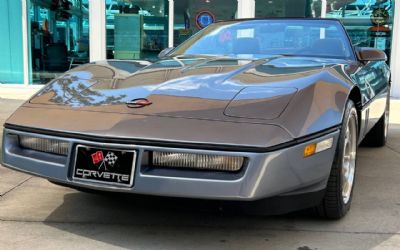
x,y
114,167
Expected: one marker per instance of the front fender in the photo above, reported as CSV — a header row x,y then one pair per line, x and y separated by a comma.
x,y
317,106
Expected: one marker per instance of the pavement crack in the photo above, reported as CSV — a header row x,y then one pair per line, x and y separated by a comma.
x,y
392,149
15,187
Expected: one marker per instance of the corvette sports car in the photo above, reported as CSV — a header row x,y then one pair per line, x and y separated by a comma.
x,y
264,111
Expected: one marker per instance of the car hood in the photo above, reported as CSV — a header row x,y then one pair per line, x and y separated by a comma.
x,y
195,87
216,101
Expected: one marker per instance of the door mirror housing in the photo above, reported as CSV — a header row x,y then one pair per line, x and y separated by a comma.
x,y
165,52
366,54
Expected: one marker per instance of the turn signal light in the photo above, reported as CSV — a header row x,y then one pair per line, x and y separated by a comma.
x,y
310,150
314,148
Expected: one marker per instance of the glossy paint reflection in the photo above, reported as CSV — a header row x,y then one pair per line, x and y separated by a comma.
x,y
301,95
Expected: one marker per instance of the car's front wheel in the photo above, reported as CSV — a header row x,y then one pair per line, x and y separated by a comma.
x,y
339,191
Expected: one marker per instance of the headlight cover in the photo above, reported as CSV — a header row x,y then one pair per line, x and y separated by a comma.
x,y
197,161
265,103
45,145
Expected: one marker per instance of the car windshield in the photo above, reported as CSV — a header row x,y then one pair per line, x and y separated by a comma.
x,y
264,38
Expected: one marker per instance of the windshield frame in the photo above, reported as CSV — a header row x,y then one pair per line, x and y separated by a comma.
x,y
336,22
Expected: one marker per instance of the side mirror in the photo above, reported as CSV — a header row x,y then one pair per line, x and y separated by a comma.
x,y
370,54
165,52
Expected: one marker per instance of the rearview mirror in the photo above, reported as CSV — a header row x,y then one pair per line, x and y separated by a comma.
x,y
370,54
165,52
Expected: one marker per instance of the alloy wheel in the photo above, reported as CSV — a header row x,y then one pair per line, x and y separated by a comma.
x,y
386,131
349,159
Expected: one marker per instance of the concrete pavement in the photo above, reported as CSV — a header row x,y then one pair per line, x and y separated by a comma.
x,y
36,214
18,91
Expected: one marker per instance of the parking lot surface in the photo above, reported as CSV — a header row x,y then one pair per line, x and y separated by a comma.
x,y
36,214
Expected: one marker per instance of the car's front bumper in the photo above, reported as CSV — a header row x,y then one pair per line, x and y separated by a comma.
x,y
278,173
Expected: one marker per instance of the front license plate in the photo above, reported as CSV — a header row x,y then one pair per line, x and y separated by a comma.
x,y
107,166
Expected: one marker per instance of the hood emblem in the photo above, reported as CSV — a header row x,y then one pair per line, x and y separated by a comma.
x,y
139,103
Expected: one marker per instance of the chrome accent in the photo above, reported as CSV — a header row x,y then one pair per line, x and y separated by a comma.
x,y
349,159
387,121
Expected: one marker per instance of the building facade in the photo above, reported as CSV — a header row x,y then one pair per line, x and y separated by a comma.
x,y
42,38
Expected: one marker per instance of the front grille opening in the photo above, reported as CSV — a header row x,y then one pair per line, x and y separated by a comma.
x,y
196,161
52,146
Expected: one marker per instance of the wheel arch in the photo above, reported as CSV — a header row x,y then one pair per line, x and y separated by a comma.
x,y
355,96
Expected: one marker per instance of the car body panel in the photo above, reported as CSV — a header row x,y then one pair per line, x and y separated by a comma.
x,y
373,80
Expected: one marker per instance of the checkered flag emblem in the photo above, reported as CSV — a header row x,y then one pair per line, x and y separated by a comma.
x,y
110,159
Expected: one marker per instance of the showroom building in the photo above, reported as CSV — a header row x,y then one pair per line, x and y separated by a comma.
x,y
42,38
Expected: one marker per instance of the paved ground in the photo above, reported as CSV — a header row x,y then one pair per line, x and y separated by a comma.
x,y
18,91
39,215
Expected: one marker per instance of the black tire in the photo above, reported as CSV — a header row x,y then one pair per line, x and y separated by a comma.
x,y
377,136
335,204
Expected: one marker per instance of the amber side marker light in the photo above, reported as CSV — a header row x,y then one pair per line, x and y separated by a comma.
x,y
318,147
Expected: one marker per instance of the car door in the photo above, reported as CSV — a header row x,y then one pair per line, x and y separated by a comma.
x,y
373,81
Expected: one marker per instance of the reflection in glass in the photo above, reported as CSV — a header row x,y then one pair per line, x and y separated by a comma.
x,y
268,38
136,29
368,22
59,38
192,15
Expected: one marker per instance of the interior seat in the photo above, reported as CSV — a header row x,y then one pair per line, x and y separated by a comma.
x,y
329,46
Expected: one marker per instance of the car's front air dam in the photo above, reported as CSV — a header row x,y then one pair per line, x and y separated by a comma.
x,y
281,172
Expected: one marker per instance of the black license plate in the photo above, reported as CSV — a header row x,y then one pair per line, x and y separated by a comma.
x,y
107,166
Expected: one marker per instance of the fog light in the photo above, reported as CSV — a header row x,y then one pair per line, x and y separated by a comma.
x,y
314,148
51,146
197,161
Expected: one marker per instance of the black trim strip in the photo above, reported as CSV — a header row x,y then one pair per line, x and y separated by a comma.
x,y
173,144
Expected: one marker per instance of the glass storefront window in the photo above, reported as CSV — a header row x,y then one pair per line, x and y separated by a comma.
x,y
136,29
368,22
286,8
145,24
59,37
58,30
192,15
11,52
